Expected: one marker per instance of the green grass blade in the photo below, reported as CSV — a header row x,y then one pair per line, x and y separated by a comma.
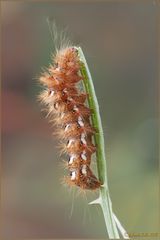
x,y
104,198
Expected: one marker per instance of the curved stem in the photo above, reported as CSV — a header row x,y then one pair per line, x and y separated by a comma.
x,y
104,198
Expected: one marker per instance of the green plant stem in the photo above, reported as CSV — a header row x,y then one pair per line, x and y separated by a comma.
x,y
104,197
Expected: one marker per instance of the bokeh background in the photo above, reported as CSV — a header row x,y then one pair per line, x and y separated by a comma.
x,y
120,43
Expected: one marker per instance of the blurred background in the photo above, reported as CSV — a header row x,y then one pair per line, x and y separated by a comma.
x,y
120,43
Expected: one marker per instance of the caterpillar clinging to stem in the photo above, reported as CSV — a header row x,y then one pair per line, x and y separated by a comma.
x,y
76,115
66,104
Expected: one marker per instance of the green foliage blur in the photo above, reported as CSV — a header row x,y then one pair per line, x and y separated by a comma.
x,y
119,40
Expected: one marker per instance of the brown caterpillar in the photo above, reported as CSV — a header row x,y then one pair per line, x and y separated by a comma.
x,y
66,107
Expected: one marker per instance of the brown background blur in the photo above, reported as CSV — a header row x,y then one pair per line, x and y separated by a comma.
x,y
120,43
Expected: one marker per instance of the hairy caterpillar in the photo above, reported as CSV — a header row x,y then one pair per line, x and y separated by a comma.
x,y
67,109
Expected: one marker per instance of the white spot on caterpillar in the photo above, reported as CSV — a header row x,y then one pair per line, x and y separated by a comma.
x,y
56,105
84,170
58,69
80,122
65,90
73,175
75,108
66,127
83,155
83,140
71,159
70,142
70,99
52,93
